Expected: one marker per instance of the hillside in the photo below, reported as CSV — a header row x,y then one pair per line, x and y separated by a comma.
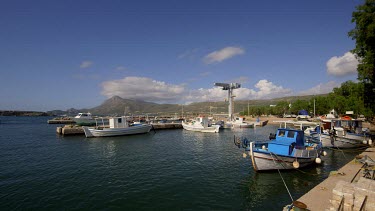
x,y
118,106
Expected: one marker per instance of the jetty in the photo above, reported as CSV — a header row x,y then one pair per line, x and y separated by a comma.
x,y
352,187
77,130
61,121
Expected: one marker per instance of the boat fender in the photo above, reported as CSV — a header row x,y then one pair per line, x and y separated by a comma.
x,y
296,164
370,141
324,153
264,147
364,142
318,160
244,155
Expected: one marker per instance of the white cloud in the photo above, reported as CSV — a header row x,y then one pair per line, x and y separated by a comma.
x,y
320,88
269,90
223,54
143,88
150,90
86,64
342,66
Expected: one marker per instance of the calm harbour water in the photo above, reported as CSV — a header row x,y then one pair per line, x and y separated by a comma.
x,y
168,170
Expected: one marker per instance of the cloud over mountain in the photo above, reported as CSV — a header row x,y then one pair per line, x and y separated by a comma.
x,y
150,90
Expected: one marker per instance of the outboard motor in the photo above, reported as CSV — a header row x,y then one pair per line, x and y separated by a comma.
x,y
272,136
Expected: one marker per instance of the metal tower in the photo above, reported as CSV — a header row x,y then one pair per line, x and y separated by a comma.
x,y
230,88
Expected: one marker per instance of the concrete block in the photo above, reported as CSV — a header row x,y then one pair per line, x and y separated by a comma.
x,y
335,203
348,207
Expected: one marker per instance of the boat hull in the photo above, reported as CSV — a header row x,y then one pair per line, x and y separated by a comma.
x,y
263,160
267,162
84,122
341,142
243,125
210,129
138,129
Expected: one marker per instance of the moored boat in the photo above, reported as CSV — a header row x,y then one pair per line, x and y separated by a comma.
x,y
118,126
288,149
201,124
240,122
344,133
84,119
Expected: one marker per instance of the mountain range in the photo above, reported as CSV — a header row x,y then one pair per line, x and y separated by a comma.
x,y
119,106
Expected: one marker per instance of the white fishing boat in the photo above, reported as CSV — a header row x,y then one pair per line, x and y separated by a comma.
x,y
84,119
118,126
331,134
240,123
344,133
201,124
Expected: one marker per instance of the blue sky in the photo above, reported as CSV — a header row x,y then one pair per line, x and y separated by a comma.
x,y
64,54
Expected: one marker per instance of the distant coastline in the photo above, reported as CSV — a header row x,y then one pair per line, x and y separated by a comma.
x,y
22,113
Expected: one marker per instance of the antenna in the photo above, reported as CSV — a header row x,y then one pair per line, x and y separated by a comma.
x,y
229,87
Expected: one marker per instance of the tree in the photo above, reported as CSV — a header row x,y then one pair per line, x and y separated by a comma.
x,y
282,107
364,35
299,105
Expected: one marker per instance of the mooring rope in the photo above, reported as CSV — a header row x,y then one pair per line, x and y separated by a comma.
x,y
282,178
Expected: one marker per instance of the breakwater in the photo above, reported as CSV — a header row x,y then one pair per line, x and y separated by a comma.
x,y
77,130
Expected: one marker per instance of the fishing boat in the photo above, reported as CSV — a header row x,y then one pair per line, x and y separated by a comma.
x,y
344,133
331,133
287,149
118,126
201,124
240,123
84,119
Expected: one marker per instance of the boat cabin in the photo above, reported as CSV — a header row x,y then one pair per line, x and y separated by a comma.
x,y
286,140
83,116
118,122
239,119
203,120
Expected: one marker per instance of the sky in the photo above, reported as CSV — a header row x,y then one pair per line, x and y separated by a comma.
x,y
78,53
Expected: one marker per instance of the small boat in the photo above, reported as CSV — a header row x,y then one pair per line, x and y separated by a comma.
x,y
118,126
84,119
201,124
331,133
344,133
287,149
240,123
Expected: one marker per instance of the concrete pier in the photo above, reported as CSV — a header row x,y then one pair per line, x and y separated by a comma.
x,y
77,130
343,184
70,130
163,126
61,121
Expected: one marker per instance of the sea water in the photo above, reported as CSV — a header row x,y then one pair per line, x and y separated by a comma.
x,y
167,170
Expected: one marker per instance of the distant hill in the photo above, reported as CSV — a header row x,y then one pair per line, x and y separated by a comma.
x,y
118,106
22,113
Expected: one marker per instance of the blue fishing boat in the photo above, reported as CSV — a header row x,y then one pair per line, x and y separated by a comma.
x,y
287,149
